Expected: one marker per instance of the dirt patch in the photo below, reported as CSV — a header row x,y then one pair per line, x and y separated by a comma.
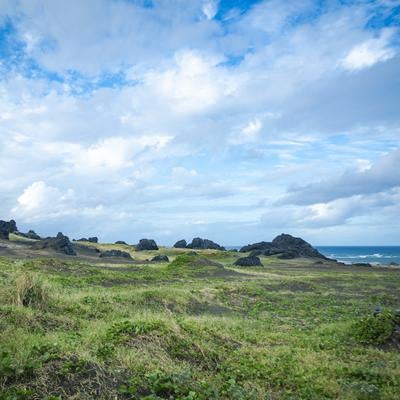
x,y
290,286
71,377
199,308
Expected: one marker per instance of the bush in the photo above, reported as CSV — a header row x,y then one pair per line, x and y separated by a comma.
x,y
375,329
30,291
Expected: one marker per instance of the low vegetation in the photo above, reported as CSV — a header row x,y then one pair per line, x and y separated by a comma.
x,y
197,329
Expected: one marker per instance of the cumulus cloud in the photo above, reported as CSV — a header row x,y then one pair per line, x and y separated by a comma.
x,y
370,52
40,198
198,112
381,176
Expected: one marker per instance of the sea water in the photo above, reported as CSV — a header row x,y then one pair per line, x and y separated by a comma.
x,y
358,254
362,254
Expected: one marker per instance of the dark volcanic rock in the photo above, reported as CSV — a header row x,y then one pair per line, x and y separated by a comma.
x,y
199,243
93,239
60,243
121,242
250,261
6,228
115,253
160,258
146,244
180,244
260,246
297,246
285,246
361,265
29,235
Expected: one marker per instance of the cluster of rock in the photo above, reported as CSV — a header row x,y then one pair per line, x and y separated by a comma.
x,y
250,261
284,246
115,254
93,239
160,258
60,244
146,244
198,243
6,228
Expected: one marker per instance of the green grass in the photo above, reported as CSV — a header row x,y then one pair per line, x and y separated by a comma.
x,y
288,330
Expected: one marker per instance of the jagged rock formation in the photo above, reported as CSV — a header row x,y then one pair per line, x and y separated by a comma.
x,y
180,244
160,258
146,244
121,242
285,246
250,261
6,228
199,243
115,253
93,239
60,243
30,235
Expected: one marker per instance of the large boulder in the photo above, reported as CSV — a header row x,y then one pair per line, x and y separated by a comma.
x,y
295,246
6,228
115,253
284,246
256,246
160,258
60,243
146,244
180,244
250,261
199,243
32,235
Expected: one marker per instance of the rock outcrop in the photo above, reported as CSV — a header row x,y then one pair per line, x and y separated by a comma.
x,y
6,228
121,242
285,246
160,258
250,261
199,243
60,243
180,244
116,254
93,239
146,244
30,235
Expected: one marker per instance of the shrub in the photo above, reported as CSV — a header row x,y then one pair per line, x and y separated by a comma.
x,y
30,291
375,329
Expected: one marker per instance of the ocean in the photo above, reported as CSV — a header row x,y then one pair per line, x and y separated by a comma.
x,y
358,254
363,254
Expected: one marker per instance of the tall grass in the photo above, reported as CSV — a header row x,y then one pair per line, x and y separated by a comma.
x,y
31,291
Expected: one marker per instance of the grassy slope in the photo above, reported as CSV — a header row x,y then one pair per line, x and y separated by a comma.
x,y
283,331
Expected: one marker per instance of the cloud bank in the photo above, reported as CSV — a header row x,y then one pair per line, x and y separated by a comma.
x,y
231,120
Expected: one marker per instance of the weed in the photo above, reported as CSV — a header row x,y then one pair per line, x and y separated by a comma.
x,y
30,291
374,329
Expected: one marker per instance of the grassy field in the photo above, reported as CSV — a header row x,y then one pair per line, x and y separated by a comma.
x,y
71,329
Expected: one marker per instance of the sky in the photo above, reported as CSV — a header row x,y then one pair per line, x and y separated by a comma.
x,y
233,120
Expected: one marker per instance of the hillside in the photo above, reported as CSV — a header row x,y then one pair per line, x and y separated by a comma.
x,y
197,327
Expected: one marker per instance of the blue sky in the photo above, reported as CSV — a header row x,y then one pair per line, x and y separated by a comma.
x,y
232,120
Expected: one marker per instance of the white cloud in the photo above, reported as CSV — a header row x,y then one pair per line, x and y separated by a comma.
x,y
251,130
370,52
41,198
210,8
194,84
